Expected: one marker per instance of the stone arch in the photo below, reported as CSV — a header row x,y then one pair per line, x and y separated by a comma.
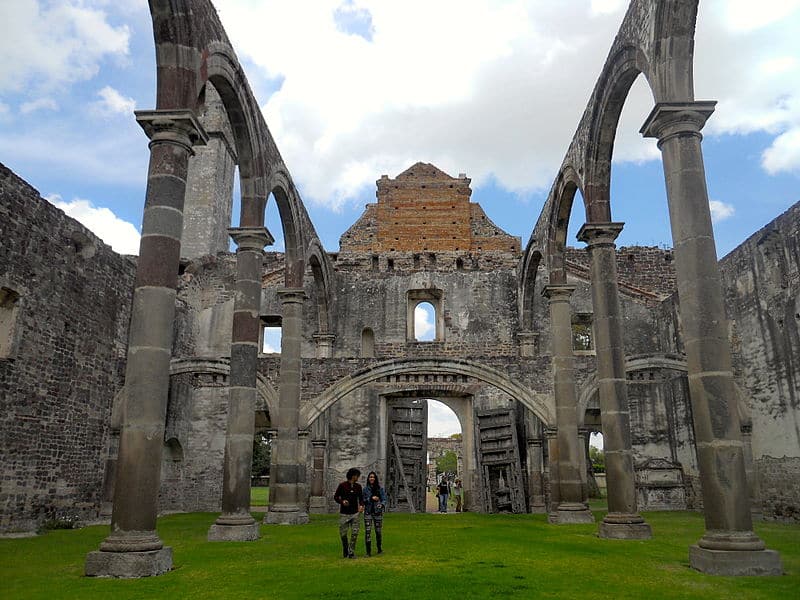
x,y
536,402
567,184
620,72
527,286
266,395
285,196
322,271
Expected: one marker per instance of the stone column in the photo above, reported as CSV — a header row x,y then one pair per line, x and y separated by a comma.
x,y
729,546
318,503
535,482
235,523
288,470
133,549
622,520
551,437
571,507
324,344
583,444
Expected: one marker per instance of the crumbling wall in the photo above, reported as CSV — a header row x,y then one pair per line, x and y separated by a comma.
x,y
762,285
65,360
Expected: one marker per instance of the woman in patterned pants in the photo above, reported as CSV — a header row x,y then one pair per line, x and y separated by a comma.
x,y
374,504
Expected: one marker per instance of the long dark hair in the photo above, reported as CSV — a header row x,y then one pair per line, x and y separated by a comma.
x,y
374,488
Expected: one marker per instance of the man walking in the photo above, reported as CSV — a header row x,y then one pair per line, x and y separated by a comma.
x,y
444,494
349,497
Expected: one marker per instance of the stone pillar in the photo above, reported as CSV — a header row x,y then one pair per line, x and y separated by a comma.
x,y
551,437
623,520
535,482
324,344
235,523
583,444
318,503
288,470
751,472
133,549
571,507
729,546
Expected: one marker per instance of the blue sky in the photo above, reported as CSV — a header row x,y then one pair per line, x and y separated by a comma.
x,y
353,89
500,110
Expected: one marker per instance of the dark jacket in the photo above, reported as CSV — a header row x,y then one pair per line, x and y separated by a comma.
x,y
370,506
354,495
444,488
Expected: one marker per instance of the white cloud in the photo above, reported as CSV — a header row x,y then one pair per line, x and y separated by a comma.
x,y
121,235
784,153
746,15
442,421
38,104
48,44
720,210
113,102
272,340
424,329
492,89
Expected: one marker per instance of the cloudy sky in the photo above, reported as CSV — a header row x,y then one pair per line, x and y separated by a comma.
x,y
353,89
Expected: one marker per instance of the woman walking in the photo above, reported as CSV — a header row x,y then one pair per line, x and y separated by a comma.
x,y
374,504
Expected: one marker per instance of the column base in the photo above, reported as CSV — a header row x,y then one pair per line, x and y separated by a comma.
x,y
318,505
295,516
538,509
569,513
234,533
128,565
618,526
735,562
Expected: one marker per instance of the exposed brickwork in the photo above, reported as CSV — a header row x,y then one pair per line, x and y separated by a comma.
x,y
425,209
70,336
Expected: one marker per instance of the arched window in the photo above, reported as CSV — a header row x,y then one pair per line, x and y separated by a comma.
x,y
424,322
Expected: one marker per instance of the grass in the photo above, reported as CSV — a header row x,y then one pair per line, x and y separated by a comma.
x,y
259,496
426,555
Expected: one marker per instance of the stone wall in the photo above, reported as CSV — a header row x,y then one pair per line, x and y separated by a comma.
x,y
64,360
762,283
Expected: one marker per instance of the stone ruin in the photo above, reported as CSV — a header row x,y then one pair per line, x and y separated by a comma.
x,y
134,386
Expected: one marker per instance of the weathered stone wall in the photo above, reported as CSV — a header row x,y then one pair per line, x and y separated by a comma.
x,y
762,284
66,359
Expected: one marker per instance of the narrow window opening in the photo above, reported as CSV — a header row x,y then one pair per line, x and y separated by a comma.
x,y
271,328
424,322
390,264
582,334
9,300
374,262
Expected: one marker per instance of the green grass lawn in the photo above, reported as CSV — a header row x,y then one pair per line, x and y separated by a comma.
x,y
259,496
426,556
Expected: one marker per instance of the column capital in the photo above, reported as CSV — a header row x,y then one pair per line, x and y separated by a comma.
x,y
670,119
550,432
599,234
292,295
319,443
303,433
534,441
251,238
179,127
558,292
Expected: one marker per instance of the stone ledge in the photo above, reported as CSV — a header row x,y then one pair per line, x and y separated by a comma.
x,y
624,531
735,562
234,533
128,565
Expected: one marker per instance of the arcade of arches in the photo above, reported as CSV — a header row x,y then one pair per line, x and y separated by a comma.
x,y
687,365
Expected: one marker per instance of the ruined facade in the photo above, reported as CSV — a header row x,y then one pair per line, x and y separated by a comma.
x,y
689,368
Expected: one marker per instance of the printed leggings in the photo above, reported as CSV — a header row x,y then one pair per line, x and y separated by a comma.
x,y
352,523
369,521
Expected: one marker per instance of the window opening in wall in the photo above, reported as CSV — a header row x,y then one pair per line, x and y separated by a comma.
x,y
416,261
8,315
582,334
271,328
459,264
424,322
173,451
390,264
374,262
367,343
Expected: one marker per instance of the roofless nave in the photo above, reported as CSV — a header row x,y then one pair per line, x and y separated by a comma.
x,y
695,392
